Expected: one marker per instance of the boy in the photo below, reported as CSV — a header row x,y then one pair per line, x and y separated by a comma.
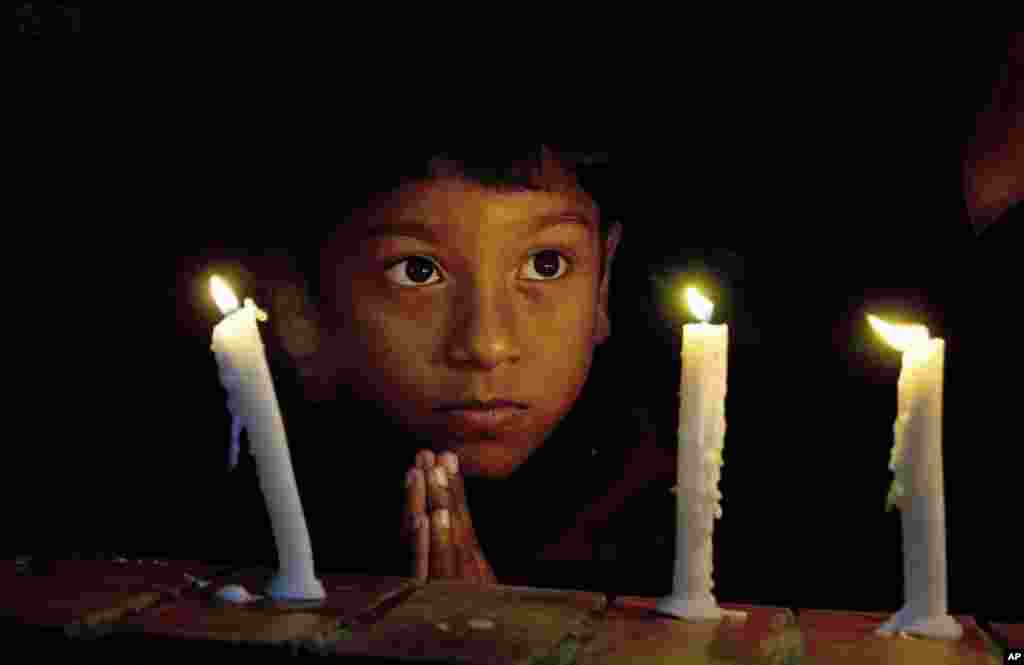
x,y
466,304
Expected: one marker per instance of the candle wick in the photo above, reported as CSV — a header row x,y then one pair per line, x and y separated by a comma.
x,y
260,314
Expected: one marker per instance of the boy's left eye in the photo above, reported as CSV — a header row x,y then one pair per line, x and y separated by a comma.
x,y
546,264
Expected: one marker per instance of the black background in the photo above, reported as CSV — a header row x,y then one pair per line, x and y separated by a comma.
x,y
809,190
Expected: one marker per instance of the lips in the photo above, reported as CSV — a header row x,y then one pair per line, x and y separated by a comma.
x,y
478,405
473,417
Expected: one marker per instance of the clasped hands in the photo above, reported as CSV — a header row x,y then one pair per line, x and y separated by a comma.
x,y
436,523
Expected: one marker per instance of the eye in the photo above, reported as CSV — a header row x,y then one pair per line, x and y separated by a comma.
x,y
547,265
414,271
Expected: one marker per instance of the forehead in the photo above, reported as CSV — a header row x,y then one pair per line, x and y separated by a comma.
x,y
451,200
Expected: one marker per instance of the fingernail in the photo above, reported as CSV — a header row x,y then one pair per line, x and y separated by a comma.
x,y
409,476
440,477
444,520
422,522
451,462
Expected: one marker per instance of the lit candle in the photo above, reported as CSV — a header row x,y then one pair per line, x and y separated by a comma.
x,y
253,405
916,463
701,441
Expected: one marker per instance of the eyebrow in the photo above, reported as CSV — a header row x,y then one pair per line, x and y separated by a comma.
x,y
567,217
422,231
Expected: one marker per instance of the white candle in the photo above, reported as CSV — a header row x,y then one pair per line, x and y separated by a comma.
x,y
253,404
704,358
916,462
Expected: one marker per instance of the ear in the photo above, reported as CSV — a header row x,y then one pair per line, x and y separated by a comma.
x,y
603,325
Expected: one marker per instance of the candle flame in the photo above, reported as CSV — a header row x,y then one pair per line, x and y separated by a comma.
x,y
223,295
902,337
699,305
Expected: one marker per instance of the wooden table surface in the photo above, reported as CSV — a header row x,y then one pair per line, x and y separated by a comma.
x,y
849,637
157,608
635,633
78,594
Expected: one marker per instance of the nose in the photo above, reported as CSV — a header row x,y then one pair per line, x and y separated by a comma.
x,y
484,329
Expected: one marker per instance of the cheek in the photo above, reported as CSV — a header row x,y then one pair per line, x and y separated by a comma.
x,y
562,356
388,354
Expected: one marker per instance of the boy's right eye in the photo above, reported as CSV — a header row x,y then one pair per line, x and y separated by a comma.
x,y
414,271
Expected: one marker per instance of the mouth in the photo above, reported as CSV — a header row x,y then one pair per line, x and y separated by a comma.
x,y
477,405
475,416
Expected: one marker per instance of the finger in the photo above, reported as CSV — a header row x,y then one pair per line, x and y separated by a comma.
x,y
442,553
470,560
459,505
425,460
471,565
421,549
415,499
462,536
449,461
438,492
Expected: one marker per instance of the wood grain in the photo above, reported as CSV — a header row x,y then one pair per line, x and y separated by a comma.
x,y
199,615
849,637
470,624
633,632
83,595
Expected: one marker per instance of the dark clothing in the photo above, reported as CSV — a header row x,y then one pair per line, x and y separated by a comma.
x,y
354,501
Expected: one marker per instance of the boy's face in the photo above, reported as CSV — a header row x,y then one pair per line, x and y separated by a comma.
x,y
454,292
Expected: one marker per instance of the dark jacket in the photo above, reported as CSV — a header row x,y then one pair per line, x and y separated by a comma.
x,y
594,498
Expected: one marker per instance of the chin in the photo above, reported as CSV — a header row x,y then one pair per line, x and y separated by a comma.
x,y
489,459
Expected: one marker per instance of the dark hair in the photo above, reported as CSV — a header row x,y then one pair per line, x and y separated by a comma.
x,y
500,165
